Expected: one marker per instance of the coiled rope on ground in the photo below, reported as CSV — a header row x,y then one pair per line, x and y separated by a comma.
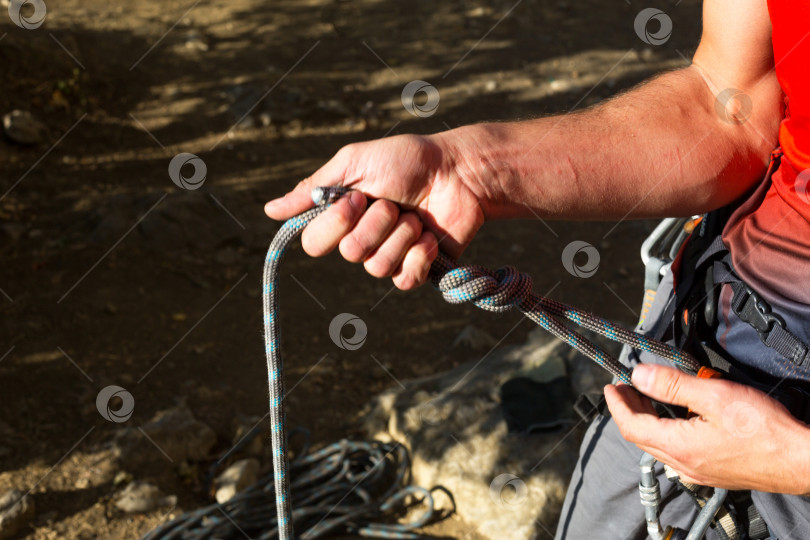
x,y
345,488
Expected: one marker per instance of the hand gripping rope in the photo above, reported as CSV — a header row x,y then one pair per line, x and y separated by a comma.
x,y
498,291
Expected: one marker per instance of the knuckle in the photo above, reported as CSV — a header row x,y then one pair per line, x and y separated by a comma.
x,y
343,215
416,271
312,247
361,243
713,398
670,384
378,266
410,225
387,209
350,249
679,454
404,281
346,152
340,219
627,431
689,460
430,245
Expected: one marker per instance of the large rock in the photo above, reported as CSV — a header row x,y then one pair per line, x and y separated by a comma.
x,y
505,484
141,497
236,478
175,433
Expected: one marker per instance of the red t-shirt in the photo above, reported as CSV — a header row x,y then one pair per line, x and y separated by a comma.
x,y
769,235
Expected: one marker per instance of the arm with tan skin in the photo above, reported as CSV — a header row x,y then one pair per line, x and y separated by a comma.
x,y
660,149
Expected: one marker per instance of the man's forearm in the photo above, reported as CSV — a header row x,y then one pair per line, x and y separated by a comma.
x,y
660,149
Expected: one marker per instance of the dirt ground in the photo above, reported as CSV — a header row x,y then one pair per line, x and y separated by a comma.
x,y
112,275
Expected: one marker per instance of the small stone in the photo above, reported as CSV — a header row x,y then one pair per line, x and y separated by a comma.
x,y
560,85
16,511
265,119
236,478
121,478
491,85
23,128
82,483
141,497
195,41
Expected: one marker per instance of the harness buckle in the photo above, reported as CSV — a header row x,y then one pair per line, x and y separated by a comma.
x,y
758,315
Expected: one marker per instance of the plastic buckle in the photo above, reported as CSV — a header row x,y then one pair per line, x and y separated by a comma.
x,y
761,318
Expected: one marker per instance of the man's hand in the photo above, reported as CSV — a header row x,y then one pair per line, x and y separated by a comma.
x,y
742,439
435,207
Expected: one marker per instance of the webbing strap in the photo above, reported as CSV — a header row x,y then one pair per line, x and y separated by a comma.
x,y
746,303
773,332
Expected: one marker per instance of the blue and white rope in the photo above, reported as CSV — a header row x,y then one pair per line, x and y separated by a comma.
x,y
497,291
345,486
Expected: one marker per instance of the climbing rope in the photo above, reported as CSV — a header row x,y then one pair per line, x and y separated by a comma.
x,y
326,501
344,488
498,291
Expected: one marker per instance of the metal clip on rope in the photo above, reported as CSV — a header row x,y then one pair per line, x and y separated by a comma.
x,y
498,291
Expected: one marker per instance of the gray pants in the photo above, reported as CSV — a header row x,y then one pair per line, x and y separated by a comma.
x,y
603,503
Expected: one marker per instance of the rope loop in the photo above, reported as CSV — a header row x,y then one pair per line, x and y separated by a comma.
x,y
496,291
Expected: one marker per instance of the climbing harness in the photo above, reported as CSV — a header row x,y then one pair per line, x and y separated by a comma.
x,y
689,321
497,291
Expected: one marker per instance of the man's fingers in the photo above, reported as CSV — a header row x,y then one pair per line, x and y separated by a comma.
x,y
414,268
300,198
637,402
385,260
635,416
324,232
670,385
370,231
293,203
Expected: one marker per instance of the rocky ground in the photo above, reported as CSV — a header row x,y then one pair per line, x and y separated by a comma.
x,y
114,276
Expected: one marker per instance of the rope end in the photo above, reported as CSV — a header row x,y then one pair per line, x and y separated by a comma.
x,y
318,195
